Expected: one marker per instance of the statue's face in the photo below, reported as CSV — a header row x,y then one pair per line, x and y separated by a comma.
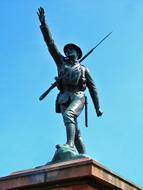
x,y
72,53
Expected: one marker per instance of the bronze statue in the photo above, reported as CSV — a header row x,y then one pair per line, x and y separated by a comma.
x,y
72,80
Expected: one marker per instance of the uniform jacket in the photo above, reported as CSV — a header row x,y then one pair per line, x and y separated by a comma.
x,y
60,60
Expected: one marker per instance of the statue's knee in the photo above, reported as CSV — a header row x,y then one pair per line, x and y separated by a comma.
x,y
68,117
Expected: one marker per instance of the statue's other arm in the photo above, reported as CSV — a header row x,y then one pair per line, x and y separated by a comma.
x,y
48,37
93,92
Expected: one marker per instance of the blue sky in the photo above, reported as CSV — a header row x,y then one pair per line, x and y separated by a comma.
x,y
30,129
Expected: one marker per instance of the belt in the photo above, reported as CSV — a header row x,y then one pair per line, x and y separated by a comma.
x,y
71,88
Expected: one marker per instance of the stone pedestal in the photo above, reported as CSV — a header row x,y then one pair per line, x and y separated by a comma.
x,y
80,174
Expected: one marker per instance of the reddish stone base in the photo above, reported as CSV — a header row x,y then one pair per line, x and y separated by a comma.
x,y
81,174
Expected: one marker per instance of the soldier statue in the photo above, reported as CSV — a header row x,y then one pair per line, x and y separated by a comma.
x,y
72,80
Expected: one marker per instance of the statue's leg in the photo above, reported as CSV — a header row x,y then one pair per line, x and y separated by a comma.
x,y
70,131
70,127
70,112
79,141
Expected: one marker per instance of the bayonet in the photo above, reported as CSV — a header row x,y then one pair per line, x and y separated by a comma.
x,y
94,48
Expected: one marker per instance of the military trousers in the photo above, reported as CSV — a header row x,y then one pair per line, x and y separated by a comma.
x,y
72,109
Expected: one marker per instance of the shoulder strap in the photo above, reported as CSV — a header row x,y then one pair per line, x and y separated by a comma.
x,y
82,71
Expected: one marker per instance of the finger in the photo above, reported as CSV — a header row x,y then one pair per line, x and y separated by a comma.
x,y
39,10
42,10
38,13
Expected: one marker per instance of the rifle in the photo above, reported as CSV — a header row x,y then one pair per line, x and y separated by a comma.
x,y
47,91
56,82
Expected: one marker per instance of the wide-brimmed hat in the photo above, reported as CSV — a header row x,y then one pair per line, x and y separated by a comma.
x,y
77,48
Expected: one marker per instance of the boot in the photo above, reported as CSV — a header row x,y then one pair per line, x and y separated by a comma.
x,y
79,143
70,130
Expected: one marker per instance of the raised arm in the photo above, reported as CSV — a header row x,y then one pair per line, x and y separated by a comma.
x,y
93,92
48,37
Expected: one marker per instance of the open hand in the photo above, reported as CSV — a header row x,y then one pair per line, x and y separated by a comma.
x,y
41,15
